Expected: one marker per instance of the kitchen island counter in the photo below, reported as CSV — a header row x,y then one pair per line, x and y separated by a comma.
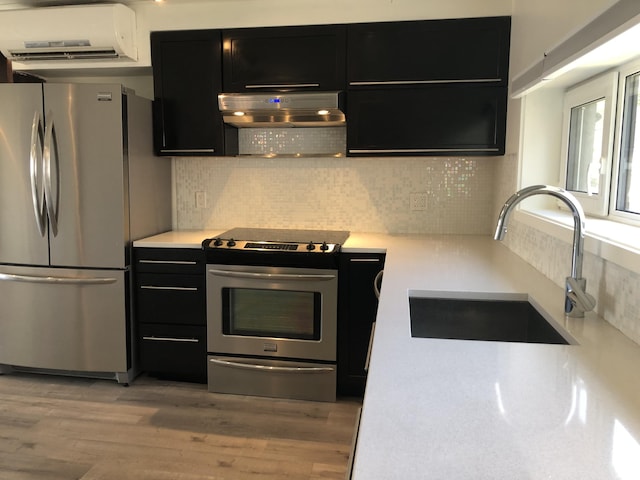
x,y
459,409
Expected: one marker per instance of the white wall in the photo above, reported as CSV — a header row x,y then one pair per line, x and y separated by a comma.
x,y
539,25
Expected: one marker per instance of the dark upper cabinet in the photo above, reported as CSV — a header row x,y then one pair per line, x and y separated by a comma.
x,y
284,58
437,120
434,87
470,49
186,81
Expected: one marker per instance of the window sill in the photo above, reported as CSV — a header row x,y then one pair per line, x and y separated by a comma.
x,y
612,241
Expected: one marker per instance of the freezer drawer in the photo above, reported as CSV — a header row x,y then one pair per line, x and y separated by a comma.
x,y
64,319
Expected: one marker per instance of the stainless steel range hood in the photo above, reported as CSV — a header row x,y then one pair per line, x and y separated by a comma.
x,y
282,110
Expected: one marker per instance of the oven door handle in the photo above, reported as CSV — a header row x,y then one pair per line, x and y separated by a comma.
x,y
271,276
271,368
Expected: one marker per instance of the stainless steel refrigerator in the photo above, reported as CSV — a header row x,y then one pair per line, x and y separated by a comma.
x,y
78,183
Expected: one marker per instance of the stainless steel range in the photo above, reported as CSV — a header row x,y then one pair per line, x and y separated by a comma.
x,y
272,300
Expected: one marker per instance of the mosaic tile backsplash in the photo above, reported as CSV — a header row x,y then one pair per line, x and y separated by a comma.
x,y
357,194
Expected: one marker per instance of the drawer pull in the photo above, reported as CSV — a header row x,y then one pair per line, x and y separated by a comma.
x,y
180,289
171,339
425,82
169,262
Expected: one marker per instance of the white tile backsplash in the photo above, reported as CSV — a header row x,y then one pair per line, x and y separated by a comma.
x,y
357,194
328,141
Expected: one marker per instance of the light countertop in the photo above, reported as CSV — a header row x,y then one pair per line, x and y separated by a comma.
x,y
458,409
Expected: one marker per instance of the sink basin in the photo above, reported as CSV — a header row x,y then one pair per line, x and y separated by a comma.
x,y
468,319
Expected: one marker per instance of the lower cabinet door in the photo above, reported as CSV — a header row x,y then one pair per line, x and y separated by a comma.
x,y
174,352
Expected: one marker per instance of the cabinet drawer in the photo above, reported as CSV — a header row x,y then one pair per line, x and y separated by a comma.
x,y
170,298
174,351
169,260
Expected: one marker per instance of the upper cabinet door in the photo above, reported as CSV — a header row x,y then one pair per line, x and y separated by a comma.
x,y
284,58
430,51
187,81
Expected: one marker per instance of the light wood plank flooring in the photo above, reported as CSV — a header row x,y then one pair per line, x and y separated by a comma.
x,y
63,428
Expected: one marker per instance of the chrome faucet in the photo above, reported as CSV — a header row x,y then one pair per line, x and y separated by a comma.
x,y
577,300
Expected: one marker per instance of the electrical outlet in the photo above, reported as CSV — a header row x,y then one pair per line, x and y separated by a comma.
x,y
417,202
201,199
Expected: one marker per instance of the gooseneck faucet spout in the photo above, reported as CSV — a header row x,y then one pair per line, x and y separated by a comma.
x,y
577,300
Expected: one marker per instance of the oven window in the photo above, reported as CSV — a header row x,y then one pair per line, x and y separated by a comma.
x,y
271,313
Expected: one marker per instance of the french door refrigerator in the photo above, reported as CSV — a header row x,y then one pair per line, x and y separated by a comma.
x,y
78,183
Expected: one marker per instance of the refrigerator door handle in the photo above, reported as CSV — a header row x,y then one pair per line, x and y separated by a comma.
x,y
12,277
35,171
51,150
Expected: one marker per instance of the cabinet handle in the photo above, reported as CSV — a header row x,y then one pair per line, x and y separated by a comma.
x,y
181,289
377,283
169,262
171,339
370,260
188,150
285,85
424,150
254,366
366,362
424,82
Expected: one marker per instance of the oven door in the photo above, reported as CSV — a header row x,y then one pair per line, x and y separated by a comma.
x,y
287,313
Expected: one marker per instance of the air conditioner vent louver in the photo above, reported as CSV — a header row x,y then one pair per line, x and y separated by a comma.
x,y
77,32
64,55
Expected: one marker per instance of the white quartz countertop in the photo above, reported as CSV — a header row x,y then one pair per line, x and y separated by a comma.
x,y
459,409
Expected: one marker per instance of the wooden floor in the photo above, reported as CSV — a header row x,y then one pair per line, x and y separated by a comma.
x,y
55,428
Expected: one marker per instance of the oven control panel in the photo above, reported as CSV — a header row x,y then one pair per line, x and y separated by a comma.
x,y
269,246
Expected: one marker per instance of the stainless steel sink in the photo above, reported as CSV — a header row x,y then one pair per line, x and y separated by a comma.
x,y
472,319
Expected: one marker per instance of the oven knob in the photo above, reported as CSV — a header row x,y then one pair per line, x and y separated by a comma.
x,y
217,242
311,246
324,247
231,243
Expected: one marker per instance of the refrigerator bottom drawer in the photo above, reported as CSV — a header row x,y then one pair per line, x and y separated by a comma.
x,y
64,319
272,378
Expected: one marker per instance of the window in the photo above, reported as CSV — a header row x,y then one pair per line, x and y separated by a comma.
x,y
589,123
628,172
600,135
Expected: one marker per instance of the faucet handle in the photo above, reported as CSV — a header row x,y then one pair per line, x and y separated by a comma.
x,y
580,300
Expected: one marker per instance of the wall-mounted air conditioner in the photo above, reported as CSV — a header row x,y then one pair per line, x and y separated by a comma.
x,y
70,33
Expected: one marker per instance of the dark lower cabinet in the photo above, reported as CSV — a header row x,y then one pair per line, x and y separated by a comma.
x,y
170,309
357,308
